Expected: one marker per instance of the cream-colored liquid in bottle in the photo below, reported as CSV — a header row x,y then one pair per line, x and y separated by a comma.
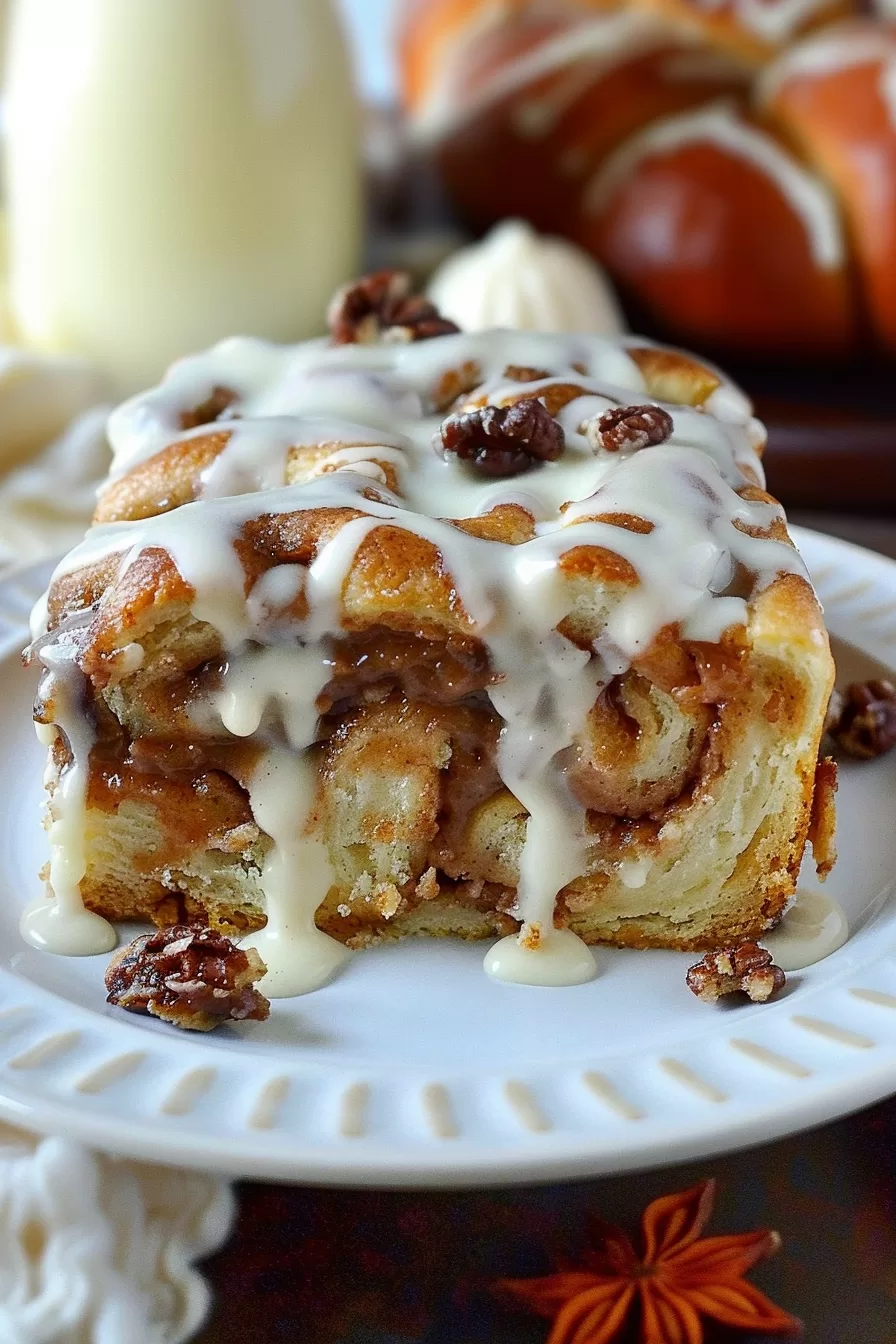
x,y
177,171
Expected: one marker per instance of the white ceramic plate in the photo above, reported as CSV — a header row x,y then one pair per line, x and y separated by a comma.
x,y
413,1067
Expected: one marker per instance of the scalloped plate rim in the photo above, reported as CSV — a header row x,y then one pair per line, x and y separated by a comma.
x,y
530,1156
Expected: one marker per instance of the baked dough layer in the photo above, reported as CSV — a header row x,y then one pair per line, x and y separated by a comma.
x,y
198,636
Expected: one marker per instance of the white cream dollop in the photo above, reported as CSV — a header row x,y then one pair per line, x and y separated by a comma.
x,y
520,279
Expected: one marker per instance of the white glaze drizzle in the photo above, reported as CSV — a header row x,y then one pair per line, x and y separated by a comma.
x,y
813,927
281,675
888,89
842,46
774,20
360,404
719,125
58,921
297,875
600,44
297,872
548,687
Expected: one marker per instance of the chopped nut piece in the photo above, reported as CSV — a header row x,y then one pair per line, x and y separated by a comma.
x,y
530,937
866,723
214,406
502,441
192,977
628,428
381,307
428,886
746,969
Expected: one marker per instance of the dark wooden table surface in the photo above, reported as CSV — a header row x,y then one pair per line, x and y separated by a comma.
x,y
342,1267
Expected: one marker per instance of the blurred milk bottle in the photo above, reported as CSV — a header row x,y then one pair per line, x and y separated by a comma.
x,y
177,171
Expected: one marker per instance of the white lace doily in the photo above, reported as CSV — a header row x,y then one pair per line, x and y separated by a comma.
x,y
96,1250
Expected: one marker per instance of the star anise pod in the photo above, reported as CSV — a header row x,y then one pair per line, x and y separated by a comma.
x,y
678,1278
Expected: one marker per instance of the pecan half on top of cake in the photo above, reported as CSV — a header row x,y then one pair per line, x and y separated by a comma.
x,y
314,683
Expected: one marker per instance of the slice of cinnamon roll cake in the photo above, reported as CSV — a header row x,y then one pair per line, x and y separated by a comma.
x,y
416,632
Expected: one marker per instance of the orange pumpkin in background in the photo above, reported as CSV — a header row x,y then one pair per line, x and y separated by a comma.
x,y
834,99
733,165
725,236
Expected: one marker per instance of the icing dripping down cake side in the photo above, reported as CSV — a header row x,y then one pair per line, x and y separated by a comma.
x,y
473,635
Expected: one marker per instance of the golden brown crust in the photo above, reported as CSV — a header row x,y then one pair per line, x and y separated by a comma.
x,y
173,476
823,819
164,482
673,376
